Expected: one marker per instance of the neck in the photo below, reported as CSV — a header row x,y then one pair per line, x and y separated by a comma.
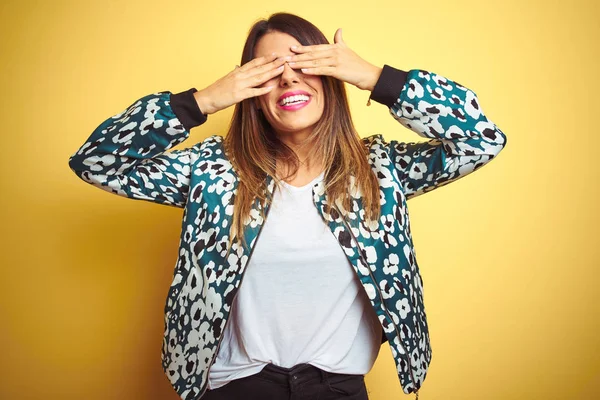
x,y
297,142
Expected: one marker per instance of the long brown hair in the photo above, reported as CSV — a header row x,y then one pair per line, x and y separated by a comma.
x,y
253,147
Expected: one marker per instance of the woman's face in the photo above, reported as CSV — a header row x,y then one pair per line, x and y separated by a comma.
x,y
298,114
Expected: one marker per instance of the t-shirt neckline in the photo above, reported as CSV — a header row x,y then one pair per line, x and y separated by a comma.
x,y
309,184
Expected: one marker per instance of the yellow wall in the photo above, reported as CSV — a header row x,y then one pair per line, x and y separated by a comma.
x,y
509,255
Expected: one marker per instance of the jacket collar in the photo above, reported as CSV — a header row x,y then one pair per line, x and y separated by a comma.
x,y
335,221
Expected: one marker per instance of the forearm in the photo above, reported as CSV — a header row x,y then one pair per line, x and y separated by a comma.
x,y
435,107
190,107
126,154
461,138
373,77
388,86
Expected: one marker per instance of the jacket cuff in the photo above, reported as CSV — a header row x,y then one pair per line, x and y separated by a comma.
x,y
389,85
186,109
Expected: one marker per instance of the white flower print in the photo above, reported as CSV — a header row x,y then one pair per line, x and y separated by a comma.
x,y
390,264
403,307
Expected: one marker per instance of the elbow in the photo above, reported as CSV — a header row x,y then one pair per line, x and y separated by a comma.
x,y
500,142
491,139
76,165
501,136
72,164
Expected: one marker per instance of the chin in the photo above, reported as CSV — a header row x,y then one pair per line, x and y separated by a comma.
x,y
295,128
296,123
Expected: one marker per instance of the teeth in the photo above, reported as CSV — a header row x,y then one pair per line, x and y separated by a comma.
x,y
294,99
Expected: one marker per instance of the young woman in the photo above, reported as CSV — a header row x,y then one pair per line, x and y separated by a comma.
x,y
295,204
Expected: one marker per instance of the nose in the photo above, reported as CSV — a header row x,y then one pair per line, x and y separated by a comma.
x,y
288,77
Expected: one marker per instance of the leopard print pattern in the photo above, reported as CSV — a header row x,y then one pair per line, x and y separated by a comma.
x,y
127,155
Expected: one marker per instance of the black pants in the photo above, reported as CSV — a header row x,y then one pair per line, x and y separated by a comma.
x,y
301,382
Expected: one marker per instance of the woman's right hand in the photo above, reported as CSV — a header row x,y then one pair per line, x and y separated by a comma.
x,y
240,84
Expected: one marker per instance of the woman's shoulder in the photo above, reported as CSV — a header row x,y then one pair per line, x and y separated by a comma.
x,y
210,148
212,141
378,152
375,142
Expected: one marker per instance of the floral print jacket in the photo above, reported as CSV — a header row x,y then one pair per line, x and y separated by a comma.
x,y
127,155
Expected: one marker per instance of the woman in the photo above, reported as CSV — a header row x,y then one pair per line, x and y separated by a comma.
x,y
292,201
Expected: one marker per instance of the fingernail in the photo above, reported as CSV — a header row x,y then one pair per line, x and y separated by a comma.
x,y
294,47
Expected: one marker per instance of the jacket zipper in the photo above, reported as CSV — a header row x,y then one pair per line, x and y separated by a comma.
x,y
205,388
360,254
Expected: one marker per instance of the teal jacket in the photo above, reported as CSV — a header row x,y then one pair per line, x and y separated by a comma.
x,y
127,155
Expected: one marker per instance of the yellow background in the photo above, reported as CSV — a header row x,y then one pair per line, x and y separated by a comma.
x,y
509,255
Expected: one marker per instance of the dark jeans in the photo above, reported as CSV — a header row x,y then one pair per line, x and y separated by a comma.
x,y
301,382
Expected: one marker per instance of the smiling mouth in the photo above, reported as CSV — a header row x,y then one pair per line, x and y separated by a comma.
x,y
294,100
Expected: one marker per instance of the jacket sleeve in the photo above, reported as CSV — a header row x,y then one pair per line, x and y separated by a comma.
x,y
126,154
461,138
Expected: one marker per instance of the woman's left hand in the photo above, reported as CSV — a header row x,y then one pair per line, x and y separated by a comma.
x,y
336,60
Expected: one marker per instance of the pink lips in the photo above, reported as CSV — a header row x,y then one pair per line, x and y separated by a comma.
x,y
293,107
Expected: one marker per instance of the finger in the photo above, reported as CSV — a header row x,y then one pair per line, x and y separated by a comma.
x,y
257,62
314,47
317,62
319,71
338,36
312,55
253,92
261,69
259,79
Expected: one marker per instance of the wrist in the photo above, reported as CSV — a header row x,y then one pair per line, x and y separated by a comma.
x,y
374,75
203,102
186,109
389,86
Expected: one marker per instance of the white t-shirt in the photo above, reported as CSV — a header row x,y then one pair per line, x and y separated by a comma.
x,y
300,301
